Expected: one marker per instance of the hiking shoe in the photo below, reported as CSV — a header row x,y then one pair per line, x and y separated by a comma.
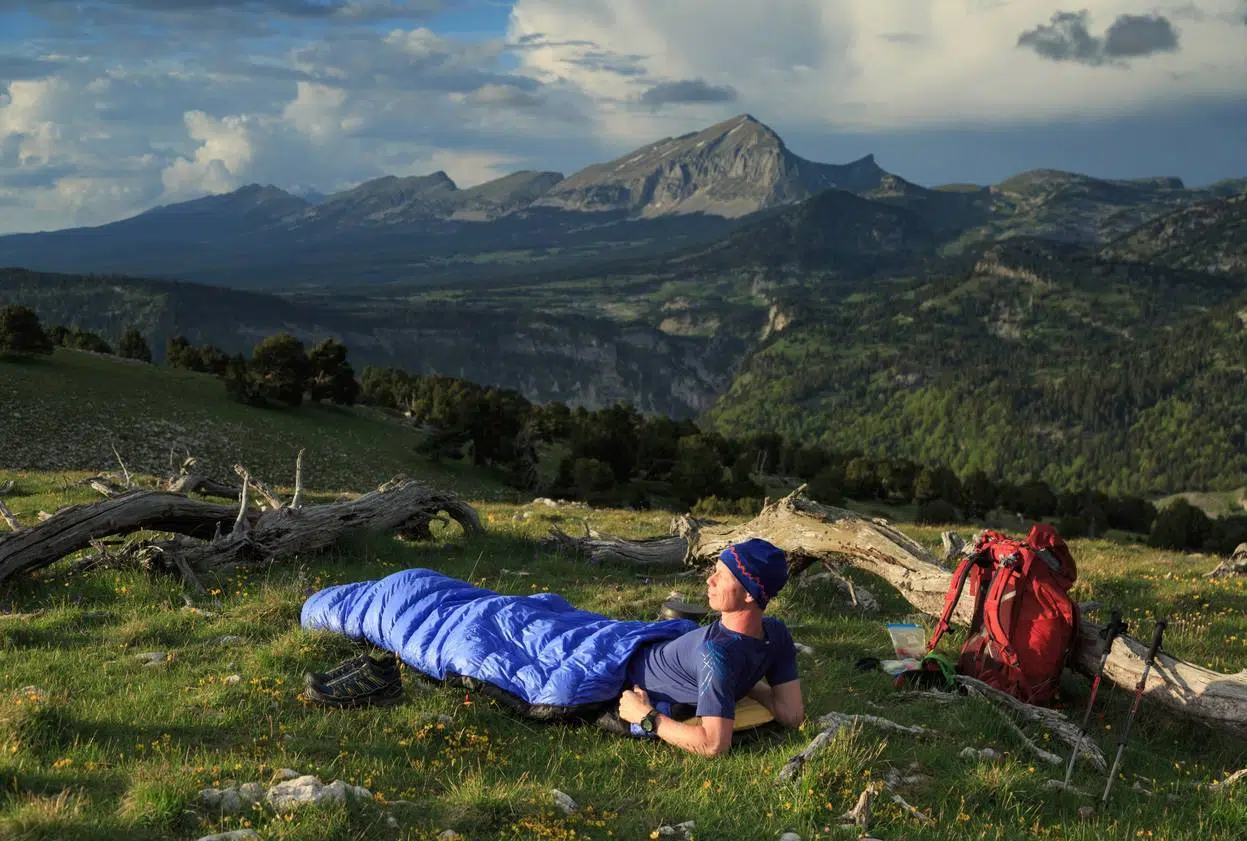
x,y
386,662
369,684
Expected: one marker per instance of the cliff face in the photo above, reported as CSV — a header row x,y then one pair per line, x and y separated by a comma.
x,y
730,169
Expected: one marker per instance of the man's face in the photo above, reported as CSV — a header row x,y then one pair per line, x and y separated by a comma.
x,y
724,592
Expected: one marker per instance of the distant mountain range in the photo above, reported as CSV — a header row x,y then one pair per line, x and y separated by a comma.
x,y
677,194
1054,325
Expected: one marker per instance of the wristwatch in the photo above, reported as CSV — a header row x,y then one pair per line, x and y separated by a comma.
x,y
649,724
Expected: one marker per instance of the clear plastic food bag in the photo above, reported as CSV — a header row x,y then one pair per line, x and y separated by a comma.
x,y
908,640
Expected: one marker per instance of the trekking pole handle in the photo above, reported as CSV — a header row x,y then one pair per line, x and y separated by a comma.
x,y
1156,638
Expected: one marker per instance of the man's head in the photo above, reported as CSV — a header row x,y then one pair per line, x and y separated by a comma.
x,y
749,572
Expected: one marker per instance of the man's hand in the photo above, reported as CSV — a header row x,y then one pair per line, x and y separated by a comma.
x,y
634,705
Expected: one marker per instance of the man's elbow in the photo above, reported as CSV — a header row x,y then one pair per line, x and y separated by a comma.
x,y
712,749
793,722
791,718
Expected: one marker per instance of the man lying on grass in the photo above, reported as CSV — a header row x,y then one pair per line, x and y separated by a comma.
x,y
547,656
717,665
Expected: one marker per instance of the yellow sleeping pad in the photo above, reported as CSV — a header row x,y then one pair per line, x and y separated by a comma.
x,y
749,714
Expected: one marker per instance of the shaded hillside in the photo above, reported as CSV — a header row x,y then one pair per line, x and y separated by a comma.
x,y
1208,237
68,412
1032,362
572,351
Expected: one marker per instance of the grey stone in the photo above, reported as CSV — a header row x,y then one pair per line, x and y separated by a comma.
x,y
564,802
308,790
449,835
233,835
286,774
210,797
680,832
251,792
232,680
228,639
790,836
231,803
153,658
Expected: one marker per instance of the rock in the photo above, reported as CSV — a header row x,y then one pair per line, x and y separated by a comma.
x,y
802,648
231,680
681,831
153,658
285,774
790,836
563,802
251,793
32,694
233,835
210,797
228,639
1086,813
449,835
231,803
542,500
968,753
991,755
391,821
301,791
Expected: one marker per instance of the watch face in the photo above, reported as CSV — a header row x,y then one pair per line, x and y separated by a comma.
x,y
650,723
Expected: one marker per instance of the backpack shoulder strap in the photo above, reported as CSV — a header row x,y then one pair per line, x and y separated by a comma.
x,y
954,596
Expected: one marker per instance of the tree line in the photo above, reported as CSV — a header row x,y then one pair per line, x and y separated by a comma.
x,y
616,455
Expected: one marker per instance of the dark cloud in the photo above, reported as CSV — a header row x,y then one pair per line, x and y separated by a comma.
x,y
1139,35
687,91
622,64
1066,37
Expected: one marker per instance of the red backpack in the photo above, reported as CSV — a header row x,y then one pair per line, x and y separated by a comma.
x,y
1025,624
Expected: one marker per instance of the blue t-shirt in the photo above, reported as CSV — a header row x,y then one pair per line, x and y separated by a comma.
x,y
713,667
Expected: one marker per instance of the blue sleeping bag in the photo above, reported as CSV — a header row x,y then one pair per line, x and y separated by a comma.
x,y
537,648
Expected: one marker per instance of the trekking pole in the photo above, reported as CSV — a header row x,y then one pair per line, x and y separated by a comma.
x,y
1134,707
1114,628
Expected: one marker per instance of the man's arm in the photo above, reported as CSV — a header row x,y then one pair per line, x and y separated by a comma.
x,y
784,701
712,737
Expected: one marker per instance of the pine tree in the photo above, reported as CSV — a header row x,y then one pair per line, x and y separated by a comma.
x,y
134,346
21,334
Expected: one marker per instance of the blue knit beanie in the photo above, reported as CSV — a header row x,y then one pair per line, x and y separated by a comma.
x,y
760,567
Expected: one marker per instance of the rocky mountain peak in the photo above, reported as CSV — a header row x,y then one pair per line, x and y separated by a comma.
x,y
729,169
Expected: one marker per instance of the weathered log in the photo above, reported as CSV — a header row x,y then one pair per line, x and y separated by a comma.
x,y
253,536
1236,564
1052,720
808,530
9,519
196,483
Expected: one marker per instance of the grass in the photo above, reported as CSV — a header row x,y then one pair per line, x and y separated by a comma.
x,y
69,411
113,749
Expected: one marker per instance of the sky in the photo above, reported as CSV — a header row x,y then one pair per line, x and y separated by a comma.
x,y
111,107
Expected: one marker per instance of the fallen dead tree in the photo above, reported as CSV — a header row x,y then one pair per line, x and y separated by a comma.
x,y
814,533
211,536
